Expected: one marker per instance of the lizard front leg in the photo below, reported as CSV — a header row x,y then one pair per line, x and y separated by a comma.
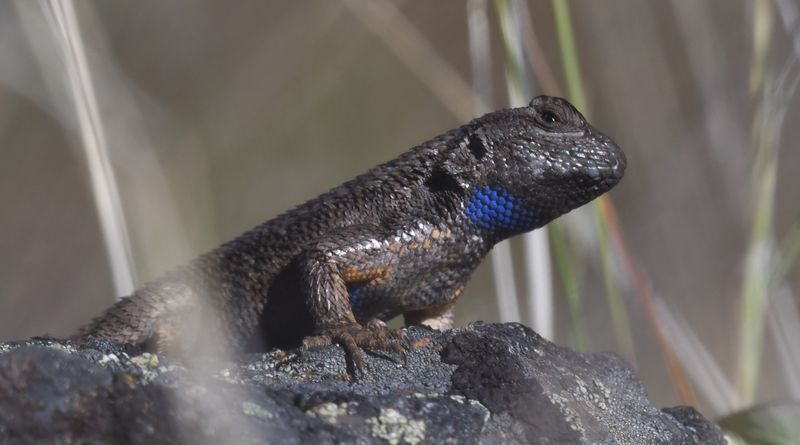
x,y
356,254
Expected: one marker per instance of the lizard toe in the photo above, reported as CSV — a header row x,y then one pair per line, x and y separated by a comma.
x,y
353,337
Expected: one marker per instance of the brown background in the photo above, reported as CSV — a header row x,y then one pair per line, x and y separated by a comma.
x,y
222,114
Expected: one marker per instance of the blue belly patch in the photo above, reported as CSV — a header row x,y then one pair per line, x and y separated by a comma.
x,y
356,291
493,208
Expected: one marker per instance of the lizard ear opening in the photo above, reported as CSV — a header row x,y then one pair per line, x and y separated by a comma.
x,y
441,181
476,146
458,169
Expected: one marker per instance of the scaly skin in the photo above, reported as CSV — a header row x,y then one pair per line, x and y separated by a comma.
x,y
402,238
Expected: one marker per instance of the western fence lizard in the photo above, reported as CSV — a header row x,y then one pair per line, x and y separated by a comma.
x,y
402,238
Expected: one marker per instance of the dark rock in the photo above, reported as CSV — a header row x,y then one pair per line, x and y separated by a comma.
x,y
480,384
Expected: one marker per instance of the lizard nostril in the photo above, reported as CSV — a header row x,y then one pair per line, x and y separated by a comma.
x,y
594,172
620,163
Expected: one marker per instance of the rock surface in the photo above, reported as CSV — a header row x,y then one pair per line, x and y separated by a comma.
x,y
487,383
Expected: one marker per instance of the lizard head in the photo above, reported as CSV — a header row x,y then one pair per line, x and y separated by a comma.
x,y
535,163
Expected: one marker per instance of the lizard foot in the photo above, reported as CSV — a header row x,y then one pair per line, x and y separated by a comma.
x,y
353,336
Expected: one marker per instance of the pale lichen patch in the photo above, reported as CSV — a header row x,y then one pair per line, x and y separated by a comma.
x,y
395,428
256,410
330,412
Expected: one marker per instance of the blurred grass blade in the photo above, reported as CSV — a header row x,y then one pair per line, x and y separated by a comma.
x,y
789,12
603,208
762,29
61,16
501,258
571,272
643,294
712,383
762,257
505,286
784,325
790,248
539,282
773,424
517,80
620,320
753,311
572,71
536,245
480,54
388,23
569,54
535,55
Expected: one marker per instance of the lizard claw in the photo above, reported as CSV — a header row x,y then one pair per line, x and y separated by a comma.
x,y
352,337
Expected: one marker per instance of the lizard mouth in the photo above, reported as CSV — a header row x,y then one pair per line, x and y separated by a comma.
x,y
610,160
620,164
610,171
603,176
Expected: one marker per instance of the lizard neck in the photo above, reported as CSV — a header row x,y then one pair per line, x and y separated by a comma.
x,y
499,212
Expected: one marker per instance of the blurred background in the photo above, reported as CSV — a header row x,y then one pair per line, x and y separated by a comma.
x,y
134,138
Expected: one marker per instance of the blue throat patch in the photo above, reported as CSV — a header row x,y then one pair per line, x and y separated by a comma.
x,y
495,209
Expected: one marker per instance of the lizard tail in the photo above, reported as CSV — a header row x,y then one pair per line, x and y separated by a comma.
x,y
131,320
138,318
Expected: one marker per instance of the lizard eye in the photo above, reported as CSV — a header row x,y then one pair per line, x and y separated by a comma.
x,y
556,115
549,117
